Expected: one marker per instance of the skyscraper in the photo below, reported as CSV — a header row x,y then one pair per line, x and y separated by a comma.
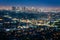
x,y
13,8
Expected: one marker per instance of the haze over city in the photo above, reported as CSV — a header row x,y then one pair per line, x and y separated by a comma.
x,y
49,4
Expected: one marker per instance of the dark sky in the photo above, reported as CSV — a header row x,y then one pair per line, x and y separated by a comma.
x,y
53,3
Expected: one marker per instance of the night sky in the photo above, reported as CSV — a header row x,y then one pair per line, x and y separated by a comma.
x,y
38,3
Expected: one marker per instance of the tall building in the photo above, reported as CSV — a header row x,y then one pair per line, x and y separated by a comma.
x,y
17,8
23,8
13,8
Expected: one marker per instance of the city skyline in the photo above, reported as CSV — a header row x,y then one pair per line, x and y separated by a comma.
x,y
37,9
45,5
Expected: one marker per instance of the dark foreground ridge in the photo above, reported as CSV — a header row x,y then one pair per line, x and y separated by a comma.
x,y
30,34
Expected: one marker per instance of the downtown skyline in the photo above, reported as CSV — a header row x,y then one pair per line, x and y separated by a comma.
x,y
42,4
36,9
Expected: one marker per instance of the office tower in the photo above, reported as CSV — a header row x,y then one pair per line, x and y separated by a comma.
x,y
13,8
